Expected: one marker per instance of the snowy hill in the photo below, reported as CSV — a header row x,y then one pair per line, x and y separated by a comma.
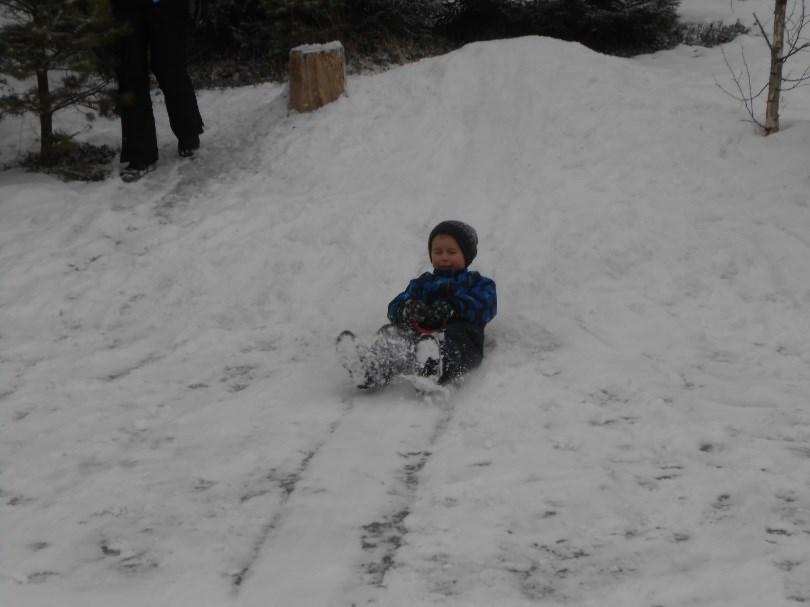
x,y
174,429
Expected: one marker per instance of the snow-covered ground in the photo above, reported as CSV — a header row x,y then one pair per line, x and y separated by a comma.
x,y
175,430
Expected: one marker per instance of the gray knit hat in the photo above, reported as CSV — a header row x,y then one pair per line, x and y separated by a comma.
x,y
464,234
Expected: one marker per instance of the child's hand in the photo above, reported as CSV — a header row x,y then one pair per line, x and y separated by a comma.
x,y
437,315
413,312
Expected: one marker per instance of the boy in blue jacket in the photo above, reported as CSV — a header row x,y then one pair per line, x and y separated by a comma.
x,y
437,322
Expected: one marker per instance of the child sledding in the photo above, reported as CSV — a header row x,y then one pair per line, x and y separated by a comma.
x,y
436,328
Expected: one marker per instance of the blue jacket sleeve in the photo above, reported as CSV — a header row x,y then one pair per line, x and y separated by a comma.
x,y
413,291
477,302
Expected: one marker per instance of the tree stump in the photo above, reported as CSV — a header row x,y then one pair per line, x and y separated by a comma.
x,y
317,75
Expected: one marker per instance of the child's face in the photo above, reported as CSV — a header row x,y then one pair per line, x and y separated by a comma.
x,y
445,254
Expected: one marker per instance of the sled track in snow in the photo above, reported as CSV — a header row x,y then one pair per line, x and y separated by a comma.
x,y
382,538
344,507
288,485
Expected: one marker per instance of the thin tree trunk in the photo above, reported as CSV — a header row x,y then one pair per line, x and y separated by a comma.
x,y
775,80
45,113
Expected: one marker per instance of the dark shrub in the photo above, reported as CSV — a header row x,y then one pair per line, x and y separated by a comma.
x,y
610,26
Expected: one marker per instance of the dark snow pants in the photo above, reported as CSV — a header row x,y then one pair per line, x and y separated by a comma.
x,y
462,348
156,37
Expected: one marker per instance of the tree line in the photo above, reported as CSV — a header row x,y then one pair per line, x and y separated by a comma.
x,y
267,29
60,49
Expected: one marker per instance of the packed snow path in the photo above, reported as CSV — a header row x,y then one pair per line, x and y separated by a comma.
x,y
175,429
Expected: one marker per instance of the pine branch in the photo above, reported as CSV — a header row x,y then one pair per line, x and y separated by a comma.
x,y
76,98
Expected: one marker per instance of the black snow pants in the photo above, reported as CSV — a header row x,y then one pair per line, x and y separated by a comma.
x,y
156,37
462,348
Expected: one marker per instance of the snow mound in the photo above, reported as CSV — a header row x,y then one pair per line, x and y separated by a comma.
x,y
175,429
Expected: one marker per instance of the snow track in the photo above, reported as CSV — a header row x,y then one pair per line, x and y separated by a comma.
x,y
344,517
288,483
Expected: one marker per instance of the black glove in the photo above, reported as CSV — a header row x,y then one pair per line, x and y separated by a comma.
x,y
413,311
438,314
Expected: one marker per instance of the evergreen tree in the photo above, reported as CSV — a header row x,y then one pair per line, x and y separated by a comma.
x,y
297,22
55,45
612,26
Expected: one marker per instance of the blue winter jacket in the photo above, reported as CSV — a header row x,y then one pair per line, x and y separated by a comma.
x,y
472,296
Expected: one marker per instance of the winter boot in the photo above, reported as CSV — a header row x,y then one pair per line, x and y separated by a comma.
x,y
353,354
394,347
187,146
135,170
429,357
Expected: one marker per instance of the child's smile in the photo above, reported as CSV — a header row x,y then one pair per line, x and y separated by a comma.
x,y
445,254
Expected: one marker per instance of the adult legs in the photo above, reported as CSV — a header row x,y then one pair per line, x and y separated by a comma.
x,y
138,137
169,27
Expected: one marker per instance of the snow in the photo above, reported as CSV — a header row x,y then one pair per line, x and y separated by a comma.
x,y
175,429
306,49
